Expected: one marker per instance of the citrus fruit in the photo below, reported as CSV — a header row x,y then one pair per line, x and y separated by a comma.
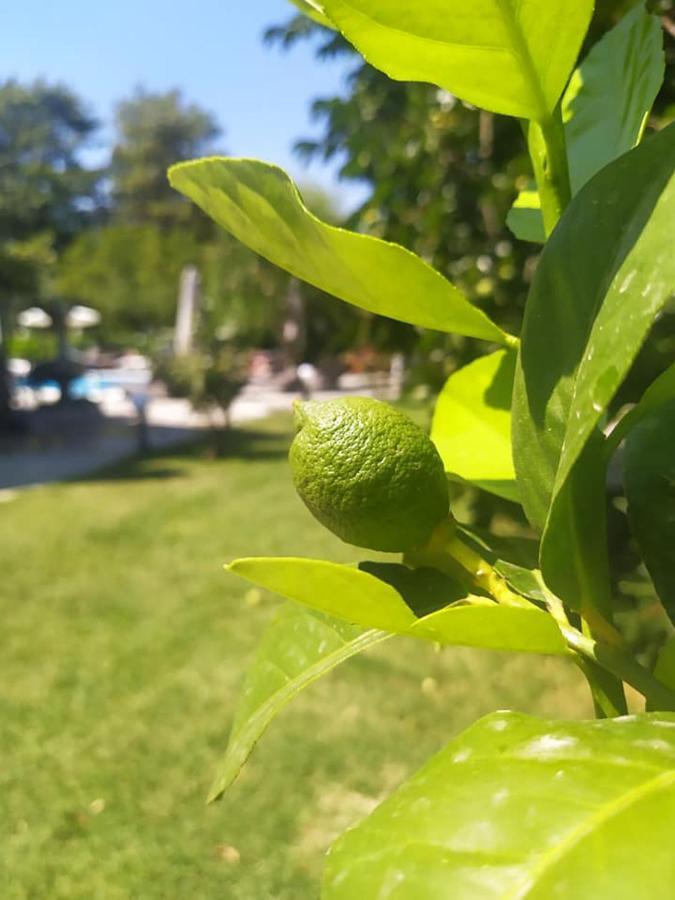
x,y
368,473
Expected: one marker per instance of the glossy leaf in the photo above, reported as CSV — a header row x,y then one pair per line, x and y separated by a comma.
x,y
605,274
516,808
261,207
649,480
422,603
314,10
298,648
508,56
604,108
472,424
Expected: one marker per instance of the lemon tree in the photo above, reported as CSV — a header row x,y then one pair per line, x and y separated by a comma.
x,y
515,807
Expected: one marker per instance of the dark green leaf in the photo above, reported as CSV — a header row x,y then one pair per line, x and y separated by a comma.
x,y
298,648
519,808
659,392
649,480
606,273
507,56
261,207
472,424
665,664
524,581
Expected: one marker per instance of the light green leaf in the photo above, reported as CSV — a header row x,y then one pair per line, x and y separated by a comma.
x,y
493,627
298,648
517,808
649,480
422,603
508,56
605,274
341,591
604,108
261,207
472,424
314,11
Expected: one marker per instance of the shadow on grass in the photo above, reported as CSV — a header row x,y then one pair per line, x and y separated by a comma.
x,y
167,463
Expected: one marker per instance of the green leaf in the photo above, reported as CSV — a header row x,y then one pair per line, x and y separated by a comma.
x,y
522,551
604,108
341,591
525,219
649,480
493,627
517,807
660,391
298,648
261,207
422,603
508,56
314,11
607,101
665,664
574,555
526,582
604,276
472,424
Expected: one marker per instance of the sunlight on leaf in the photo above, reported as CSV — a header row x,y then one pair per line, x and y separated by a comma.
x,y
505,56
518,807
472,424
604,108
259,204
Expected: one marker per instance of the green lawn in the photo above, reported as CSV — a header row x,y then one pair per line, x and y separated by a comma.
x,y
123,646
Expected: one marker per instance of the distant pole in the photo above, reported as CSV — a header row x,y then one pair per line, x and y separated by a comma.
x,y
187,310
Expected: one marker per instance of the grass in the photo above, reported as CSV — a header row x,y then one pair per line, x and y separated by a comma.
x,y
123,647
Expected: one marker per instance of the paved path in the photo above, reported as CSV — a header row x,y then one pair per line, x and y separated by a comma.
x,y
85,447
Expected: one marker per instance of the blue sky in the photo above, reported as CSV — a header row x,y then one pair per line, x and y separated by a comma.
x,y
211,49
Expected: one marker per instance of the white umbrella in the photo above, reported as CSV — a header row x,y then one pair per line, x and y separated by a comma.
x,y
82,317
34,317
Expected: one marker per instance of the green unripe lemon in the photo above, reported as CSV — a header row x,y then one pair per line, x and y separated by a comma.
x,y
368,473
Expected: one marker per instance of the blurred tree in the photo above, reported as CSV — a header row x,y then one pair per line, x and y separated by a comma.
x,y
129,273
154,131
442,177
43,184
46,195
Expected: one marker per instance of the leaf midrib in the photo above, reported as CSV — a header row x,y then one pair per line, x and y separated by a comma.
x,y
588,827
519,48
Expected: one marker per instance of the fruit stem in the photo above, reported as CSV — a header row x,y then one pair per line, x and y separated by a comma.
x,y
446,552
